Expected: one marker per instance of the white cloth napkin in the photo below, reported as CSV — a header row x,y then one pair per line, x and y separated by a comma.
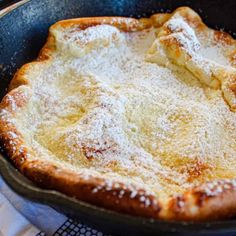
x,y
21,217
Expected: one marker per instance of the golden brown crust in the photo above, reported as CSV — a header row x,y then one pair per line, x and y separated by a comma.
x,y
213,200
92,189
206,202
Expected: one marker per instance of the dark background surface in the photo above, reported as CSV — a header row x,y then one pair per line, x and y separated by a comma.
x,y
23,32
4,3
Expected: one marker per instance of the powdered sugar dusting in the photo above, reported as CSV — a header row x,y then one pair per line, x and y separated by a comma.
x,y
78,43
184,33
177,43
214,53
90,34
113,114
187,37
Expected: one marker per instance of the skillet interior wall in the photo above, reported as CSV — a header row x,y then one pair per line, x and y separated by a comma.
x,y
24,30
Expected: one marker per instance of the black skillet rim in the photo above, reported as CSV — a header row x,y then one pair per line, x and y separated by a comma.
x,y
22,186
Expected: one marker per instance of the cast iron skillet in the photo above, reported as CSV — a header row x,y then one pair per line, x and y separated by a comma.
x,y
23,31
